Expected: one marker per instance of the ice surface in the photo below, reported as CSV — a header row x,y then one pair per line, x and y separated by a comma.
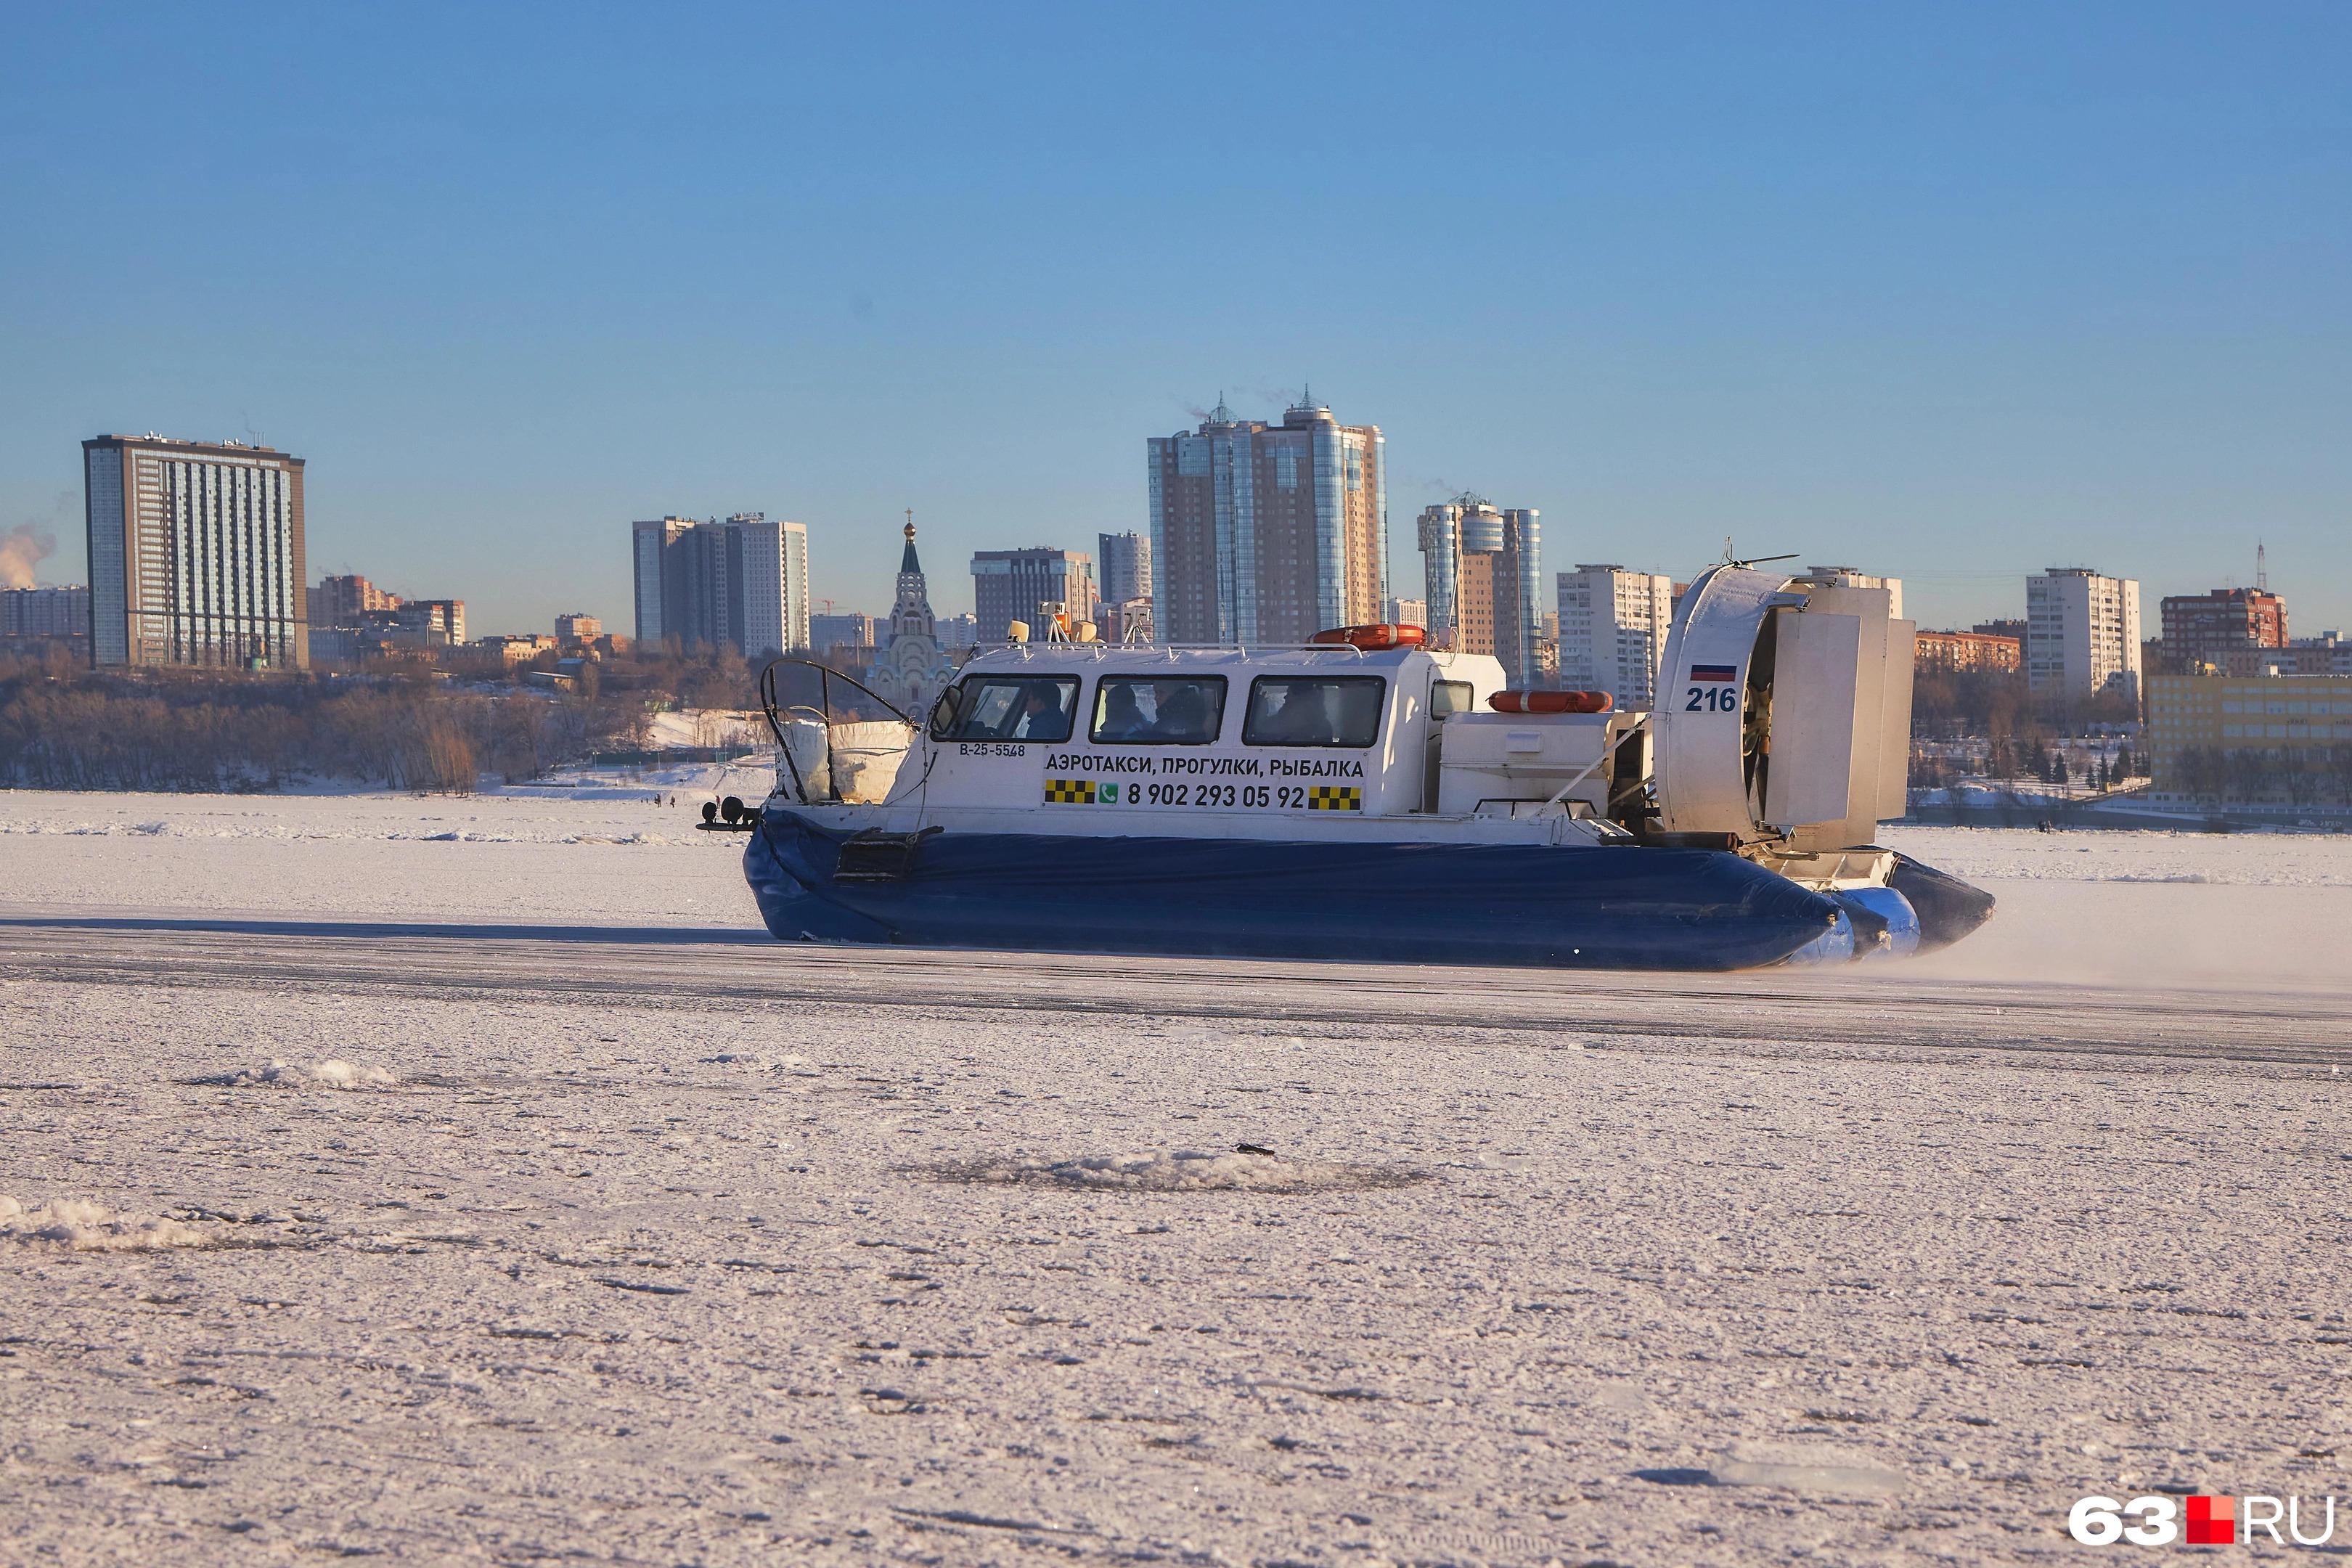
x,y
332,1073
646,1256
1863,1480
1181,1171
76,1225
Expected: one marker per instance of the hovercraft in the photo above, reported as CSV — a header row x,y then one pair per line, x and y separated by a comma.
x,y
1370,797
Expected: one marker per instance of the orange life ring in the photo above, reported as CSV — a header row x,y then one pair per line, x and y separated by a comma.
x,y
1372,639
1551,702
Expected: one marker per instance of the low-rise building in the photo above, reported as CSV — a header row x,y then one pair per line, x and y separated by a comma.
x,y
1969,652
578,625
2251,738
519,649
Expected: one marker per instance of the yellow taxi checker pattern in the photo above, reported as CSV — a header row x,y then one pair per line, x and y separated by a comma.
x,y
1069,792
1335,797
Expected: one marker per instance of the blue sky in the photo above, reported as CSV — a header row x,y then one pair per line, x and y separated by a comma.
x,y
1951,292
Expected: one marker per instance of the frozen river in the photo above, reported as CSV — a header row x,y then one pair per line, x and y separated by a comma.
x,y
459,1180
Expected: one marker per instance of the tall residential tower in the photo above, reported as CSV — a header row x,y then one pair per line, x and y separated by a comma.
x,y
742,584
1010,585
1483,566
1612,631
195,554
1267,533
2082,635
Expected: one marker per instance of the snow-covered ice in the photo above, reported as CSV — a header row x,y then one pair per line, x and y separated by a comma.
x,y
76,1225
665,1244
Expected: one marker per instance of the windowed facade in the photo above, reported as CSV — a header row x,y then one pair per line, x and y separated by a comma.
x,y
1314,711
1011,708
1264,534
1157,710
196,552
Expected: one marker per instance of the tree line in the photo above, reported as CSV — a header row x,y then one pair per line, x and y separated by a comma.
x,y
2305,775
66,726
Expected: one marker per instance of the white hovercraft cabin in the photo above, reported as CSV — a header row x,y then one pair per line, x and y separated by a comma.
x,y
1780,743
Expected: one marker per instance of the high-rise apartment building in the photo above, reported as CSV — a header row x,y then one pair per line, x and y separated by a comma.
x,y
1406,613
1612,631
2206,628
742,584
1010,585
578,625
44,612
649,544
1484,568
445,615
853,630
1125,562
1267,533
341,601
195,554
2082,635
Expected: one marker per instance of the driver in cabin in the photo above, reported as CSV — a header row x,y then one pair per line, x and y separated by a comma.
x,y
1122,718
1040,713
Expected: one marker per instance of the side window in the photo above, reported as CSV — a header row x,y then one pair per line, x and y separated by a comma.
x,y
1447,698
1157,710
1009,708
1314,711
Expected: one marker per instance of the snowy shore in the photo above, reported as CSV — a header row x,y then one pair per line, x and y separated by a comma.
x,y
636,1239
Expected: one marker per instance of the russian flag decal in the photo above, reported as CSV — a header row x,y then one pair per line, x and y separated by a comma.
x,y
1714,672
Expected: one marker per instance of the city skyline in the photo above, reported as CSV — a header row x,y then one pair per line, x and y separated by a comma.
x,y
1929,294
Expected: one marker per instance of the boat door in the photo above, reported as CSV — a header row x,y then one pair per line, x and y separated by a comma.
x,y
1447,697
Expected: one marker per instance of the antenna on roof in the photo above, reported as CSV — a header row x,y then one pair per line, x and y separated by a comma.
x,y
1732,557
2262,568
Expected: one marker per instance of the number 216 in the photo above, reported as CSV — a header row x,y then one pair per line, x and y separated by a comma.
x,y
1713,700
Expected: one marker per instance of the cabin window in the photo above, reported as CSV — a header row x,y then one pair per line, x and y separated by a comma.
x,y
1447,698
1009,708
1157,710
1314,711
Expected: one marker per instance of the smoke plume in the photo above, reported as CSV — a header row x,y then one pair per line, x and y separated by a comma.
x,y
22,548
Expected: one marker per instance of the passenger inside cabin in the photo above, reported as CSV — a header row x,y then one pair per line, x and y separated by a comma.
x,y
1184,714
1119,719
1298,720
1319,711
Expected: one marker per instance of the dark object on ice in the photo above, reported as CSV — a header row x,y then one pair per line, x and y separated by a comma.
x,y
729,816
1252,1148
1948,908
1679,1475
